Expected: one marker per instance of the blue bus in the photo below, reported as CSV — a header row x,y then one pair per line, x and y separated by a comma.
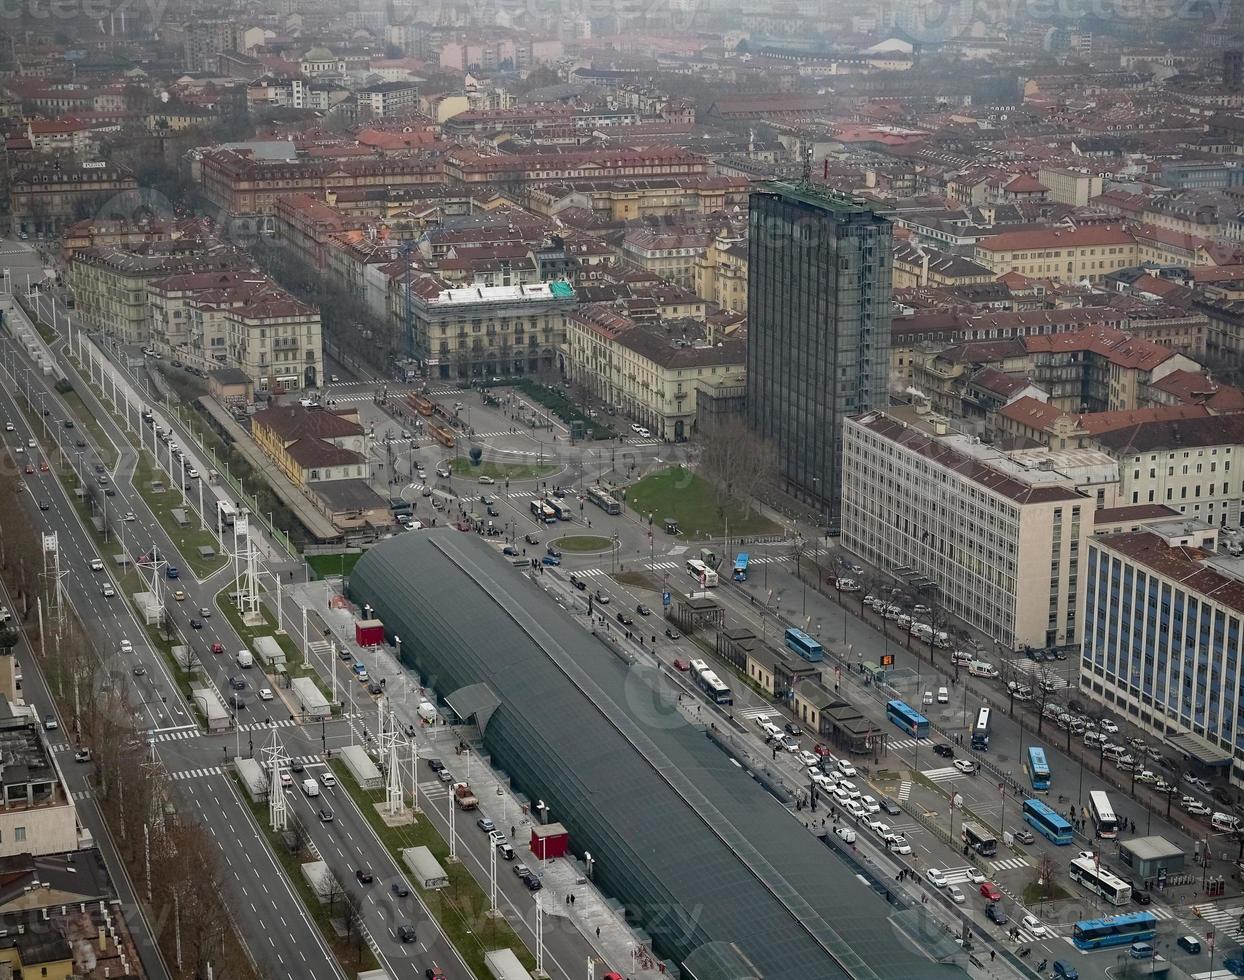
x,y
804,645
1046,822
1038,769
907,718
740,567
1117,930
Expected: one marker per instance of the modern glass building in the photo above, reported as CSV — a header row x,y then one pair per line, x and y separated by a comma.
x,y
818,349
1162,641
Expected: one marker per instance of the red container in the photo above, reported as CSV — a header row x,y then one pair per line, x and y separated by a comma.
x,y
369,632
549,841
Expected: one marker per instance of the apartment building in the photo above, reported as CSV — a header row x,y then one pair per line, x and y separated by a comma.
x,y
388,99
652,372
1162,639
671,255
1063,254
1192,465
276,340
1074,187
312,445
918,266
997,543
473,167
477,331
46,199
721,274
37,814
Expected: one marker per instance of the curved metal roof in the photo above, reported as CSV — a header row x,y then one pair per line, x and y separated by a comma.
x,y
678,832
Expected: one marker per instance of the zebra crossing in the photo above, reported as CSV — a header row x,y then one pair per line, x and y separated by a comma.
x,y
960,876
185,733
753,713
80,794
1027,937
909,743
1009,864
1224,921
941,775
904,791
1159,912
197,773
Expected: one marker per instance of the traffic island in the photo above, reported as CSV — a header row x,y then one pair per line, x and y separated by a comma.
x,y
583,543
677,494
464,467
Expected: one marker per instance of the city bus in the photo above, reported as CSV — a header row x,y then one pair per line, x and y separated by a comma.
x,y
702,573
1104,818
1117,930
797,641
601,498
980,731
711,685
907,718
541,511
1038,769
1095,878
740,566
1046,822
979,839
559,509
696,668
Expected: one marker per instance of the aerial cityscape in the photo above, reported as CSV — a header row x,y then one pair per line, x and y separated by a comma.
x,y
622,488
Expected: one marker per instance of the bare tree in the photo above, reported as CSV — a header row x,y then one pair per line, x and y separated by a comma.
x,y
353,915
735,460
1046,869
298,836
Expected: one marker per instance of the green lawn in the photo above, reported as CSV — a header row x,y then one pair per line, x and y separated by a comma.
x,y
678,493
462,907
188,539
327,566
582,542
353,957
556,401
502,471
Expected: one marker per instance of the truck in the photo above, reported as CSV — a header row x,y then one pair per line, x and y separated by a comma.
x,y
464,798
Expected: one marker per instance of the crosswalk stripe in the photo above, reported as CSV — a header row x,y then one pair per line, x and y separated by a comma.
x,y
904,790
941,775
907,743
1009,864
755,712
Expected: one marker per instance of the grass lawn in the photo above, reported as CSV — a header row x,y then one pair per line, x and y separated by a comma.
x,y
162,504
354,957
1051,891
501,471
582,542
327,566
678,493
462,907
85,417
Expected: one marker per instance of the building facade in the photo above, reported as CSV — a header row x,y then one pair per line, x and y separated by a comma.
x,y
819,287
1162,637
996,543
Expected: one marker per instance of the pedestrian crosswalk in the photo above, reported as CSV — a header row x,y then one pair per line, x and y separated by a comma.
x,y
908,743
1027,937
184,733
80,794
1158,912
197,773
960,876
751,713
941,775
664,565
904,791
1009,864
591,571
1225,921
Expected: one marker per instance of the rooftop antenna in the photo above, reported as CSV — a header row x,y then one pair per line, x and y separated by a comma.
x,y
807,162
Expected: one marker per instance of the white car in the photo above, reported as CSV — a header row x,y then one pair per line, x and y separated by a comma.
x,y
129,516
645,434
1108,726
127,646
31,444
965,765
840,794
808,759
855,808
635,426
265,694
976,876
897,844
789,743
192,473
107,590
927,699
8,426
936,876
286,778
442,472
97,565
846,768
1146,776
762,720
849,786
943,695
328,779
1198,809
770,730
870,804
1032,925
879,825
823,782
956,894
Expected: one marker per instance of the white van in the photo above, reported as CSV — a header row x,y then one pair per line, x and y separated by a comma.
x,y
943,695
982,668
771,730
1224,821
846,833
961,657
427,711
245,659
311,787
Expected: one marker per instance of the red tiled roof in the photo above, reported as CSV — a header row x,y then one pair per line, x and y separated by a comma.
x,y
1183,564
1041,238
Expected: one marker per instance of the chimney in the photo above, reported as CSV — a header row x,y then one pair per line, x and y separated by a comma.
x,y
103,940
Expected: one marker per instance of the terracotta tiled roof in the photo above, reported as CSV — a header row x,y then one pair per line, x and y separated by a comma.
x,y
1043,238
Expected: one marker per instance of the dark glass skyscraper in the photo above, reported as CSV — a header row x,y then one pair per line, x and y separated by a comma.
x,y
818,347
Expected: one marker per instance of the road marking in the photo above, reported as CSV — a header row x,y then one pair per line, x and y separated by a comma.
x,y
941,775
1223,920
1009,864
763,712
908,743
904,790
197,773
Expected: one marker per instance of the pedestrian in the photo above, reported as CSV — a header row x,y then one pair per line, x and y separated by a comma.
x,y
992,954
572,898
598,932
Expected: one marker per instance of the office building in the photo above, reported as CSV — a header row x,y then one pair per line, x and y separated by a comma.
x,y
992,540
1162,638
819,283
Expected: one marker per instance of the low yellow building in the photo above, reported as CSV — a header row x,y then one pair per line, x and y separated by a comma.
x,y
721,274
652,372
917,266
312,445
1063,254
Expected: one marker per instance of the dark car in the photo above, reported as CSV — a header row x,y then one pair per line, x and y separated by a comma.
x,y
672,633
625,620
793,729
400,889
345,655
532,538
43,505
237,683
890,807
493,512
602,597
406,933
434,973
510,551
436,765
196,624
1141,897
533,883
551,560
550,550
237,701
326,815
945,751
296,766
995,915
364,876
68,423
109,492
375,688
643,610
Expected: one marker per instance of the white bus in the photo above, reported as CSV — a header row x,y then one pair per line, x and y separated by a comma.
x,y
1104,818
701,573
697,667
711,684
982,841
1096,879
